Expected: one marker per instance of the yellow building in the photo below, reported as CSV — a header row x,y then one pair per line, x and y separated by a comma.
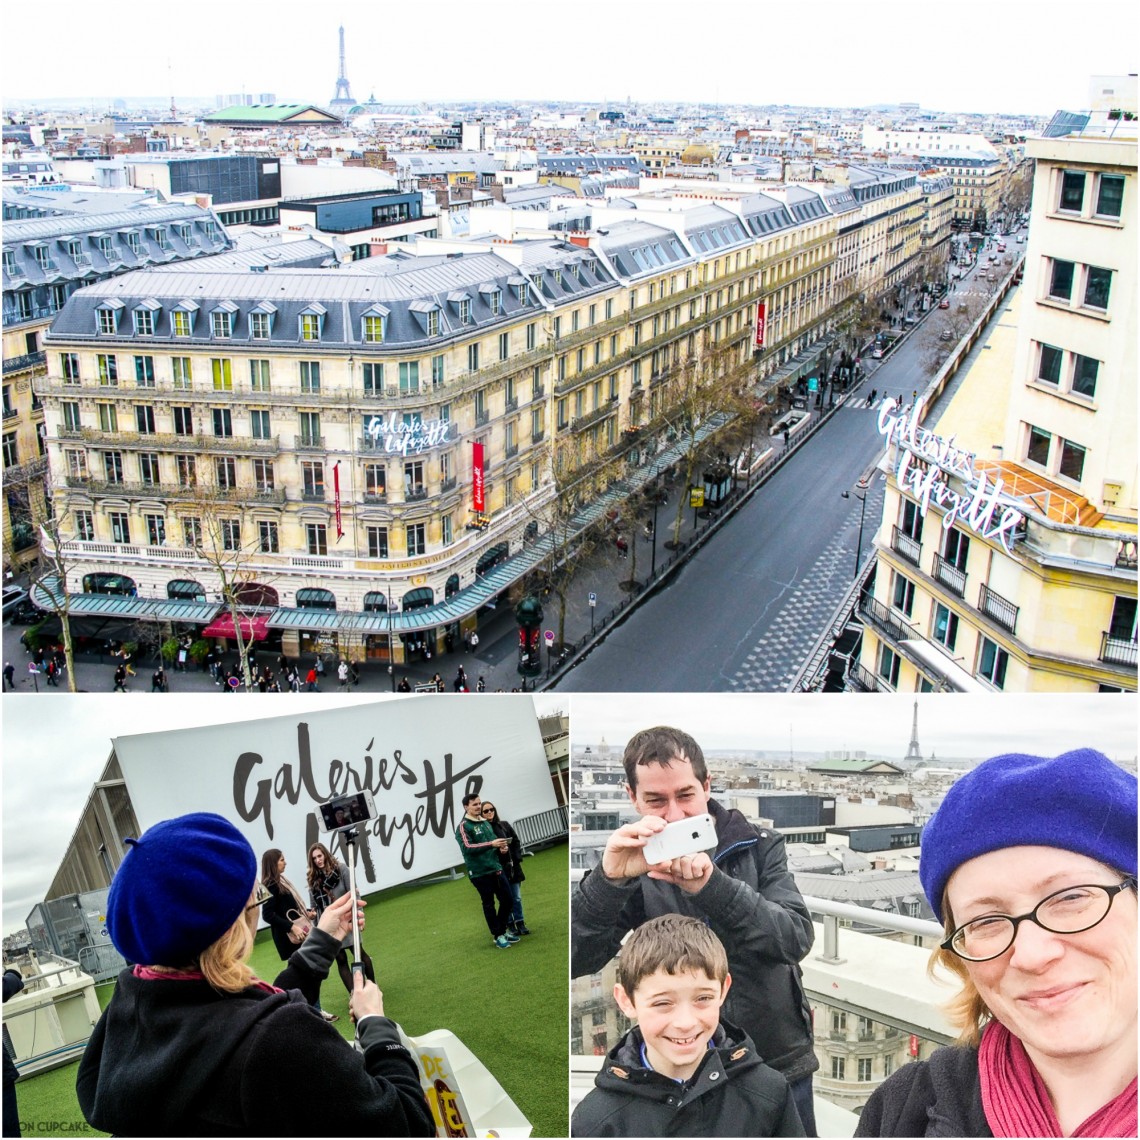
x,y
1012,565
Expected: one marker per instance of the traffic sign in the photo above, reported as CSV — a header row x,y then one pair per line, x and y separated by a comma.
x,y
548,636
593,598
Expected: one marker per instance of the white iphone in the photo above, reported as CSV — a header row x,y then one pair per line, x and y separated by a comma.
x,y
681,837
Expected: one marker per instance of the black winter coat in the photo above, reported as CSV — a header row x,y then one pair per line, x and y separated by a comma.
x,y
941,1096
732,1093
275,912
177,1058
512,857
753,905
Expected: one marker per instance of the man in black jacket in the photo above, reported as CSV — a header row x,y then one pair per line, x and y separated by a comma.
x,y
743,890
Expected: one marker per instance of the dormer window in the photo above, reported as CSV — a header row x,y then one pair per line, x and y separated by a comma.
x,y
107,247
211,231
185,233
311,321
428,311
159,236
107,316
261,321
465,312
182,318
374,325
10,263
222,321
493,295
557,276
132,240
42,256
145,317
73,247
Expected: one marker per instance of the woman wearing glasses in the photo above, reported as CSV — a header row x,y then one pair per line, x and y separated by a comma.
x,y
1030,863
192,1043
511,858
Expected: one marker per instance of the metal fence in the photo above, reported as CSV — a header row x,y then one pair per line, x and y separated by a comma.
x,y
545,828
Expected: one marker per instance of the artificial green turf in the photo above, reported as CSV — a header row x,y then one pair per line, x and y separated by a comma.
x,y
438,969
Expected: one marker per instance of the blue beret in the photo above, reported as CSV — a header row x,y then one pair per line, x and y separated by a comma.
x,y
179,888
1078,801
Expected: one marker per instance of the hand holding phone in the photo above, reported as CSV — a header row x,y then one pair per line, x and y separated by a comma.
x,y
681,837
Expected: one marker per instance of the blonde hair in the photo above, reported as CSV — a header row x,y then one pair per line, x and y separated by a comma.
x,y
966,1010
223,962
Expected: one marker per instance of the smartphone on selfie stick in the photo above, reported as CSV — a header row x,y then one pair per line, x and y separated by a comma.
x,y
342,814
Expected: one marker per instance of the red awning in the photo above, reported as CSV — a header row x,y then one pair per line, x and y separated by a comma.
x,y
223,626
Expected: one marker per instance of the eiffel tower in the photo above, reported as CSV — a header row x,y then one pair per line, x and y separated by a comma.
x,y
913,752
343,96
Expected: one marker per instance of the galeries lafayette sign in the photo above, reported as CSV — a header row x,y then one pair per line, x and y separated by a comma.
x,y
927,463
395,435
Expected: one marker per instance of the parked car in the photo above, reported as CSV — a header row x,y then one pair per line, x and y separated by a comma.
x,y
876,353
946,335
13,596
25,613
944,303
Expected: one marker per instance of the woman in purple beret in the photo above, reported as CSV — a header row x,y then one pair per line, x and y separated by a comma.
x,y
1030,863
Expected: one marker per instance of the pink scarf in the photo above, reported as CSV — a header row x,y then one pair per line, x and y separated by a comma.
x,y
1016,1101
149,975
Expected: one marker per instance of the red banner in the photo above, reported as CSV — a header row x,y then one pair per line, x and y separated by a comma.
x,y
336,498
477,500
761,321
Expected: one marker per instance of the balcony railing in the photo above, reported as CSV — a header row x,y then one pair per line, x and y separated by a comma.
x,y
28,360
482,417
309,442
905,545
884,619
375,496
125,490
1117,650
1002,610
862,678
950,576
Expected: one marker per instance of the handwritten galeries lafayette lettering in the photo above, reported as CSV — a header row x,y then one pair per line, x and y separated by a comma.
x,y
925,463
403,438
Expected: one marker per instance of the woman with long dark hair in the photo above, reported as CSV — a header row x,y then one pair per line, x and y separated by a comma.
x,y
328,881
289,919
511,858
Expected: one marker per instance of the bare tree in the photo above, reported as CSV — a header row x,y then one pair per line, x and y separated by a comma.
x,y
719,381
48,575
215,535
577,476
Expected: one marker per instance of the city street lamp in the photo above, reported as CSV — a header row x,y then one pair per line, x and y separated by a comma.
x,y
862,515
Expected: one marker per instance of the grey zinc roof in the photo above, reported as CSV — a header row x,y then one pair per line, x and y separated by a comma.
x,y
306,254
764,214
59,202
45,229
407,286
639,249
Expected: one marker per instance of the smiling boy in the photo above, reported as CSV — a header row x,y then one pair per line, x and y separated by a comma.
x,y
681,1071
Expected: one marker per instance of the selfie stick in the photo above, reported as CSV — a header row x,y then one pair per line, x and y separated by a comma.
x,y
350,838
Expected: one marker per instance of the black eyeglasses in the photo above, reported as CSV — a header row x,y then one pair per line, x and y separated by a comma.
x,y
1068,911
488,811
260,898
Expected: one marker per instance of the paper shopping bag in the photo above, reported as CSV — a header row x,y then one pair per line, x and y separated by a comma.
x,y
465,1098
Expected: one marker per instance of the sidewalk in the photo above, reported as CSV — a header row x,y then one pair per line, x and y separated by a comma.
x,y
604,574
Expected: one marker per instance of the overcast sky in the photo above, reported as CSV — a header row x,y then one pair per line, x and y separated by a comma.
x,y
55,748
948,725
1013,56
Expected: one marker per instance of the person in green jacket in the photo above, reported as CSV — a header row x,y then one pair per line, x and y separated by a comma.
x,y
481,847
